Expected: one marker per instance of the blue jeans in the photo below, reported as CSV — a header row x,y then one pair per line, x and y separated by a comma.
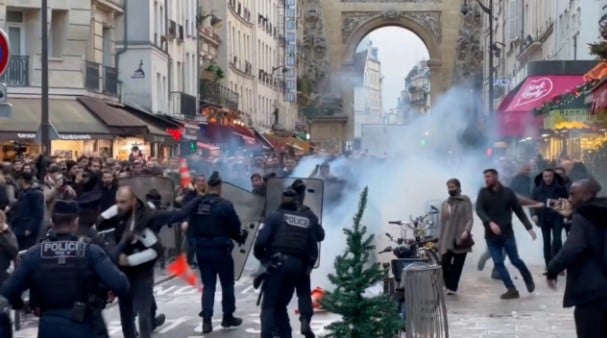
x,y
496,249
214,262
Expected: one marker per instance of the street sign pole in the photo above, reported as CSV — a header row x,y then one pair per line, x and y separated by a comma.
x,y
44,119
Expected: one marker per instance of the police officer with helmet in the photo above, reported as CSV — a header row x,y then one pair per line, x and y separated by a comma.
x,y
212,230
64,272
287,245
303,288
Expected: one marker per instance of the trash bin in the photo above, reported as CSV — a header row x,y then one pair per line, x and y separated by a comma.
x,y
425,302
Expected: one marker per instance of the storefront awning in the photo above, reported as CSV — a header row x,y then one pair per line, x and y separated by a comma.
x,y
118,120
517,119
68,119
221,134
188,130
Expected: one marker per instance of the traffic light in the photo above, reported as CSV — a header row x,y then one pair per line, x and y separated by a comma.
x,y
422,142
192,147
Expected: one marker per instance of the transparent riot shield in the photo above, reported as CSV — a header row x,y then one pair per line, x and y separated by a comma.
x,y
141,185
249,208
313,200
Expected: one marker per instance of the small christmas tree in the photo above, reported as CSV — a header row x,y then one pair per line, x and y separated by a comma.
x,y
373,317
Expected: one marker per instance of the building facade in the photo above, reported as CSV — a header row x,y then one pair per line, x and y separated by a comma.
x,y
157,58
81,62
368,108
252,54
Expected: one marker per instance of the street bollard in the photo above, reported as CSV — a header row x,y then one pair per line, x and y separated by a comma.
x,y
425,302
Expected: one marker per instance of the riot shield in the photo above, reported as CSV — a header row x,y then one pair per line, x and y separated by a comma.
x,y
249,208
314,197
141,185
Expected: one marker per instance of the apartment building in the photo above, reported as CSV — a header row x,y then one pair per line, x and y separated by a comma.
x,y
81,62
253,57
158,57
368,108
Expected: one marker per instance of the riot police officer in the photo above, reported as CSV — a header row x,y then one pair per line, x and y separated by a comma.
x,y
287,245
303,288
212,230
64,272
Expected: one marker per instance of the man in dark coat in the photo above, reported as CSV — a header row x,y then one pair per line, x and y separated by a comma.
x,y
583,256
549,186
28,213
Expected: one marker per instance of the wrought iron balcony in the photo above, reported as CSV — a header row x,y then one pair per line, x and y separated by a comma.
x,y
17,73
99,78
183,104
214,93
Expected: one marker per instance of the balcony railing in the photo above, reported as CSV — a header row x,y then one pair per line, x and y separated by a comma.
x,y
183,104
215,93
99,78
17,73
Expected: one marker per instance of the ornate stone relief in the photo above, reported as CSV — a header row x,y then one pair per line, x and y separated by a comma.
x,y
468,52
352,20
314,47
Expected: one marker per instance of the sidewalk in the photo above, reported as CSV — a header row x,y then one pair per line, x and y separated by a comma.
x,y
477,311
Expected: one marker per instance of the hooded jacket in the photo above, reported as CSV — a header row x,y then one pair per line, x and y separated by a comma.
x,y
582,256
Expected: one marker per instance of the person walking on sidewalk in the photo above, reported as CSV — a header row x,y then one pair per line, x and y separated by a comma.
x,y
455,239
494,206
583,255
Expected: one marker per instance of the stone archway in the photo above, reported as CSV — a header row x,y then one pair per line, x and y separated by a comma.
x,y
342,24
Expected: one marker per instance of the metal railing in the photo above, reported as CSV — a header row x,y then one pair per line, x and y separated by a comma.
x,y
215,93
425,309
182,103
17,73
100,78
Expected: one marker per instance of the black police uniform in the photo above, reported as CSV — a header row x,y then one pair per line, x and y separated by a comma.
x,y
212,230
286,243
6,326
64,273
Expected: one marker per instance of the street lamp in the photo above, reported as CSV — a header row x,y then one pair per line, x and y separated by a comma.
x,y
44,119
489,11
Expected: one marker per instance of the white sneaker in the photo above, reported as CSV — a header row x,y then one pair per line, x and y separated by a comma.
x,y
451,293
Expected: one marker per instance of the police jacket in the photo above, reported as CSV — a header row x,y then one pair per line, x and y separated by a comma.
x,y
287,231
214,223
62,270
319,232
136,235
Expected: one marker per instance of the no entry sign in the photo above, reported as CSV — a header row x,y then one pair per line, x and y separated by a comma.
x,y
5,51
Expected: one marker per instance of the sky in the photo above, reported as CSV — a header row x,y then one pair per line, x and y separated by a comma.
x,y
399,50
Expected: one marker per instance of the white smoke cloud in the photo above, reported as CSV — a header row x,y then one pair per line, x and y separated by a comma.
x,y
413,176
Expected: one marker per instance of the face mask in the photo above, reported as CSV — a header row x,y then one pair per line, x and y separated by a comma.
x,y
453,192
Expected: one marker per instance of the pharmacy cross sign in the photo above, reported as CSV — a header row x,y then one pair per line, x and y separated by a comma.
x,y
5,51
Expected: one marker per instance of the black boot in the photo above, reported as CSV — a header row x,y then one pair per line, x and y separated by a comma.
x,y
306,330
231,321
158,321
207,326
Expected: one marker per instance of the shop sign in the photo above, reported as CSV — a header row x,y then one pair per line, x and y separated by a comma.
x,y
29,136
569,118
75,137
190,133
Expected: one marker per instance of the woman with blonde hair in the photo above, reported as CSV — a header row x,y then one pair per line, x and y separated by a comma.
x,y
455,239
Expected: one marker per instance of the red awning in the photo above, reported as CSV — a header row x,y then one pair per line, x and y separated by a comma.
x,y
517,119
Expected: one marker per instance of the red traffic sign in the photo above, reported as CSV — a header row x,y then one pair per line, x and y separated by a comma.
x,y
5,51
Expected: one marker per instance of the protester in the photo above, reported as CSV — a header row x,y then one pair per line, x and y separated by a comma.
x,y
583,256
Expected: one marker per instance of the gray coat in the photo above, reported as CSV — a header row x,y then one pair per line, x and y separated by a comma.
x,y
456,217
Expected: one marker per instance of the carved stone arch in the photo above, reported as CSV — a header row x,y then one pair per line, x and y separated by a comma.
x,y
404,20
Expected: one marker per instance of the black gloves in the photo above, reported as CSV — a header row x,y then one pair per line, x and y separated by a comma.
x,y
242,237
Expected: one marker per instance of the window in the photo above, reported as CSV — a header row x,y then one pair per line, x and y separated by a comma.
x,y
58,32
179,77
163,95
158,92
156,25
162,21
107,47
514,19
16,32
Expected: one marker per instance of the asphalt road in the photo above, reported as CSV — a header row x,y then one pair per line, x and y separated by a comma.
x,y
181,305
477,312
